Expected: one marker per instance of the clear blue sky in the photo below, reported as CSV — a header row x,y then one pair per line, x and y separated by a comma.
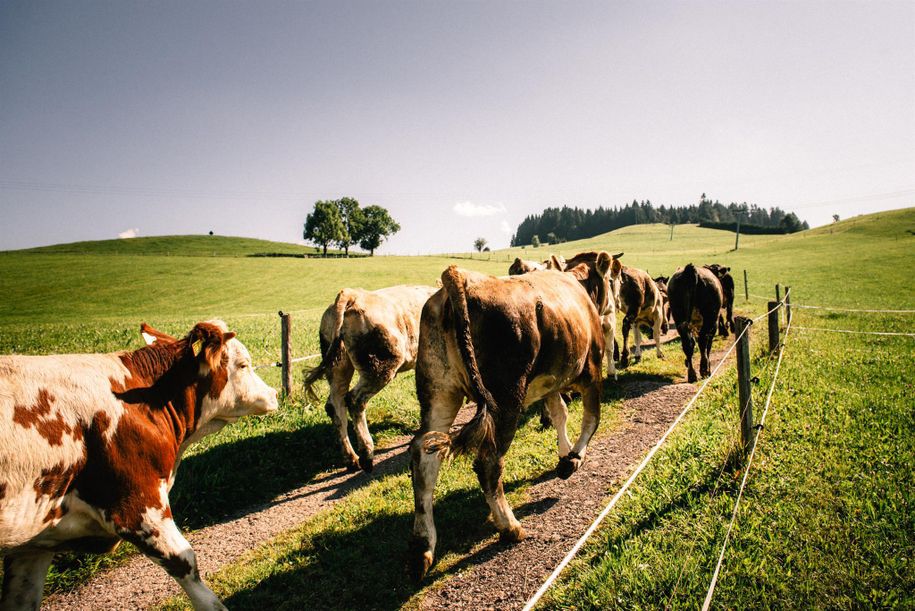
x,y
461,118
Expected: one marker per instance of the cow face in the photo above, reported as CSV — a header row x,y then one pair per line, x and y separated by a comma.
x,y
234,389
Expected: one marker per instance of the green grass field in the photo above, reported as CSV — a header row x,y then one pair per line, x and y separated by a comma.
x,y
827,520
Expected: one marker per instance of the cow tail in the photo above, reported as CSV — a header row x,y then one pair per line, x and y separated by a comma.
x,y
691,276
480,433
332,354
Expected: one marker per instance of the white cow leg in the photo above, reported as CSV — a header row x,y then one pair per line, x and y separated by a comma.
x,y
637,338
23,579
339,380
160,540
657,334
427,450
590,418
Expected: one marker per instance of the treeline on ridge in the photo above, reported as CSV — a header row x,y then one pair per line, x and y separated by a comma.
x,y
556,225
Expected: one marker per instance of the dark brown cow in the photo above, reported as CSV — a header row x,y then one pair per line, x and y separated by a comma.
x,y
641,303
726,317
695,302
90,443
374,333
504,343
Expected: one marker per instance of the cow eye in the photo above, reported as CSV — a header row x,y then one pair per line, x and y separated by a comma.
x,y
243,365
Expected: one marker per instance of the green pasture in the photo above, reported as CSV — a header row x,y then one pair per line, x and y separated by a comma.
x,y
844,406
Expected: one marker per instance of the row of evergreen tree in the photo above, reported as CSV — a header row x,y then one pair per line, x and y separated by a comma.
x,y
573,223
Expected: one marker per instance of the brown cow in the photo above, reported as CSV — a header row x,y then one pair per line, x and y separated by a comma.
x,y
90,443
504,343
641,302
374,333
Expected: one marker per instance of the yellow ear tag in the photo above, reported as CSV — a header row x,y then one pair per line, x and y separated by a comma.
x,y
196,346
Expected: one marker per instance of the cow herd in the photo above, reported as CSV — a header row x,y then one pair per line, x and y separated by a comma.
x,y
90,444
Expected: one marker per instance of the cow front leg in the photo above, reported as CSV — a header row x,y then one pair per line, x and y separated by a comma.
x,y
658,331
624,356
590,419
339,379
637,342
428,448
160,540
611,348
24,575
369,385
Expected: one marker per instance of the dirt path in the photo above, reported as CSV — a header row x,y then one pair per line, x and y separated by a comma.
x,y
558,512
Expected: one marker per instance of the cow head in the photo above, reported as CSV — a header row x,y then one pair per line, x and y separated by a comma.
x,y
520,266
234,389
594,279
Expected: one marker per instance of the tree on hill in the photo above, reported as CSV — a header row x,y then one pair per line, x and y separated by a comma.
x,y
376,225
351,216
479,244
535,241
324,225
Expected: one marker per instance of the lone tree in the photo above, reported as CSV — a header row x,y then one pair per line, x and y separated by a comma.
x,y
324,225
479,244
535,241
835,218
375,226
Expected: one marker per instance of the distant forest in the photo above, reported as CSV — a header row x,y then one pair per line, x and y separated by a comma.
x,y
556,225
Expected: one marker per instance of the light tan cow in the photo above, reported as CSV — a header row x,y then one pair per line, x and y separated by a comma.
x,y
374,333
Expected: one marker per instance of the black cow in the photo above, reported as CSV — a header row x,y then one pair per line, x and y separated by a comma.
x,y
695,302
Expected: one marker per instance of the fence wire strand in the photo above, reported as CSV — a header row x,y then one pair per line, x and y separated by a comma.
x,y
603,514
746,473
890,333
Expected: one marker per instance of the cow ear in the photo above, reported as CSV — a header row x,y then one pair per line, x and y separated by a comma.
x,y
580,271
603,262
725,269
619,255
151,335
554,263
207,343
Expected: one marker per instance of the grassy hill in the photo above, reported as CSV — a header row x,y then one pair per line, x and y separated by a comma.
x,y
831,501
175,246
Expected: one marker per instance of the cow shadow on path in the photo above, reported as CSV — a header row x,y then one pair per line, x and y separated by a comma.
x,y
229,479
360,560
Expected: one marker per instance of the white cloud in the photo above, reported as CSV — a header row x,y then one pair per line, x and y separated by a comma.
x,y
129,233
506,228
471,209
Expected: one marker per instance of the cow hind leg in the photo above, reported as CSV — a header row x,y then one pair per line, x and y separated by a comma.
x,y
369,385
23,579
427,450
687,342
488,467
160,540
624,356
658,331
339,379
706,338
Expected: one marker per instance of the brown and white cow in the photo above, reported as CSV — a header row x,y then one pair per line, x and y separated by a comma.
x,y
89,446
374,333
503,343
641,302
695,302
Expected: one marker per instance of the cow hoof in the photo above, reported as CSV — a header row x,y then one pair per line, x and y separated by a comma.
x,y
353,466
545,422
366,463
513,535
691,376
623,362
568,465
420,559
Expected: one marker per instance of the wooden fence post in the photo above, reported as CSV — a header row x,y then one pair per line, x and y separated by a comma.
x,y
788,304
743,382
778,293
746,287
286,351
773,326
